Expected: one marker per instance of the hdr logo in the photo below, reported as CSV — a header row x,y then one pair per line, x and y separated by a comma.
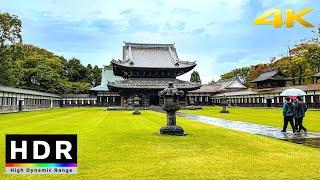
x,y
41,154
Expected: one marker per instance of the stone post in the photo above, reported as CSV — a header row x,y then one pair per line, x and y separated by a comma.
x,y
191,103
224,104
171,97
136,104
130,103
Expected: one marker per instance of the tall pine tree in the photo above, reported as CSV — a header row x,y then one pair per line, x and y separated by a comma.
x,y
195,77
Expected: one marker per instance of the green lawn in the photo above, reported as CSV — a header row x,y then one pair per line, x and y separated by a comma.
x,y
267,116
118,145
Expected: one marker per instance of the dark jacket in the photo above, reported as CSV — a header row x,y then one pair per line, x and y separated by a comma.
x,y
288,109
300,110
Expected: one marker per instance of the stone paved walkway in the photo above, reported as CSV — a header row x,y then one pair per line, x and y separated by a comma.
x,y
310,139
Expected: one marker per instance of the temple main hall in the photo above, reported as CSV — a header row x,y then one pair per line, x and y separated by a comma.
x,y
146,69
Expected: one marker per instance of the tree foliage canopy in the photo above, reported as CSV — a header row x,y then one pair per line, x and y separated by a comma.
x,y
10,29
301,62
195,77
31,67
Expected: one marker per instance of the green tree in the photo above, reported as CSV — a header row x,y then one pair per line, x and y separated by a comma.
x,y
96,75
75,87
10,38
10,29
299,66
312,54
89,75
31,67
303,62
41,69
195,77
75,71
242,73
45,71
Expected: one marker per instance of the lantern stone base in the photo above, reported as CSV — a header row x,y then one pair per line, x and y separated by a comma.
x,y
172,130
192,107
136,112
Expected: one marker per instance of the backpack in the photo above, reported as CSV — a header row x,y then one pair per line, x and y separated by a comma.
x,y
289,110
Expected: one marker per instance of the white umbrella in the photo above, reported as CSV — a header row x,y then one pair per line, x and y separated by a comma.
x,y
293,92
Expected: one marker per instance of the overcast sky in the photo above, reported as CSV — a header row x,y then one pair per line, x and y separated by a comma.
x,y
218,34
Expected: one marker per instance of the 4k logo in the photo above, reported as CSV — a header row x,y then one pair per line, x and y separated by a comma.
x,y
290,18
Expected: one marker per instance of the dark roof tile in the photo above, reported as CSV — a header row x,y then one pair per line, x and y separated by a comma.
x,y
152,83
220,85
26,91
151,56
274,75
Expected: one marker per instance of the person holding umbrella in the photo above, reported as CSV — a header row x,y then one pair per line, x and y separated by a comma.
x,y
300,111
289,109
288,114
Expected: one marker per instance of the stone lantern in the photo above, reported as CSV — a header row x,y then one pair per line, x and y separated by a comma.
x,y
130,103
171,97
191,102
136,104
224,104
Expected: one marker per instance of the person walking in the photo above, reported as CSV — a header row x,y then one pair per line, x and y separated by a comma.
x,y
300,111
288,114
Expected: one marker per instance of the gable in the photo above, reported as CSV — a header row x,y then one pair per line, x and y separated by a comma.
x,y
236,84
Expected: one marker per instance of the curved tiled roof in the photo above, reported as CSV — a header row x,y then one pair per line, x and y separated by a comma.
x,y
220,85
273,75
151,56
106,76
152,83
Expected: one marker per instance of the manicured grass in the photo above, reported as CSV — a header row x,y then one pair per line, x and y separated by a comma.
x,y
267,116
118,145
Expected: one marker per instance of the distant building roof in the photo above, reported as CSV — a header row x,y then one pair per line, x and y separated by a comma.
x,y
26,91
237,93
151,56
305,87
106,76
221,85
271,75
206,88
231,83
152,83
77,96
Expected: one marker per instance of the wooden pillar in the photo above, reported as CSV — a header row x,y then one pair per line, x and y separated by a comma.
x,y
146,100
122,101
